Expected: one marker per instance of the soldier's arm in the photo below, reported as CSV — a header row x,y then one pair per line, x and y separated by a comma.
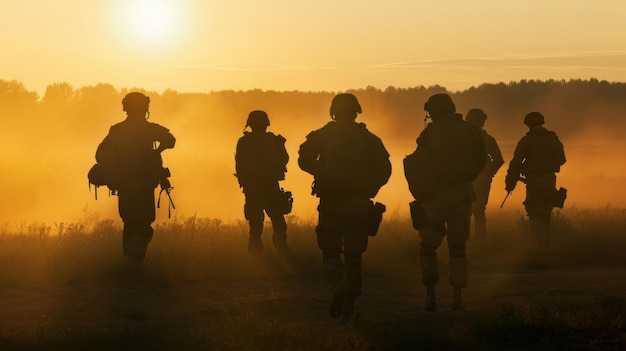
x,y
164,137
240,169
284,156
496,155
480,155
515,166
308,155
383,164
562,152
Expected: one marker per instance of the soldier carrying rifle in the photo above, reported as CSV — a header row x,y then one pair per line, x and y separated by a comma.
x,y
537,157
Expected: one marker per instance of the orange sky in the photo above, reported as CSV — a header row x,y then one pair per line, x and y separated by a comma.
x,y
201,45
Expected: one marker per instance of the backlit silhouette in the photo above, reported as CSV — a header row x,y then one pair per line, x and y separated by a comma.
x,y
350,165
449,156
482,184
132,166
538,156
260,161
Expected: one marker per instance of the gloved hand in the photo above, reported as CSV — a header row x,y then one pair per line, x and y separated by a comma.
x,y
510,182
510,187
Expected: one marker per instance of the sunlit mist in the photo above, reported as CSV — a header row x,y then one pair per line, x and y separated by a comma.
x,y
50,143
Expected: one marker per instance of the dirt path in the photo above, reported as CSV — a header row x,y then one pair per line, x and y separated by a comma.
x,y
94,308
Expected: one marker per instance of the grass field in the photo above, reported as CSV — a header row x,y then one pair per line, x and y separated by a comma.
x,y
65,286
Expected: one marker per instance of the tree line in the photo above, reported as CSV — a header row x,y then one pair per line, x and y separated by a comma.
x,y
569,106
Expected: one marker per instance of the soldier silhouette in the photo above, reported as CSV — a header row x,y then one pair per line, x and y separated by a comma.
x,y
482,184
449,156
260,162
349,165
537,157
130,156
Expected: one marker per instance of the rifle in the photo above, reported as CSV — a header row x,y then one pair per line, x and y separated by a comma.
x,y
521,179
506,197
166,186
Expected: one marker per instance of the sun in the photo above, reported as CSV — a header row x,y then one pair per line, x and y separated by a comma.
x,y
149,23
153,19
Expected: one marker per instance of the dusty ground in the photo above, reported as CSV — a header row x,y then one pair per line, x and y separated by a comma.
x,y
146,302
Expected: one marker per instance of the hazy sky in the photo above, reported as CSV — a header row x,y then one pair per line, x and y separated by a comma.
x,y
204,45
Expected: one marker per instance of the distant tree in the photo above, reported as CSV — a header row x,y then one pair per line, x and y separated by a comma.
x,y
58,94
16,101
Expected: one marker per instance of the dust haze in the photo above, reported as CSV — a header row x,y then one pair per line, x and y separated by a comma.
x,y
50,142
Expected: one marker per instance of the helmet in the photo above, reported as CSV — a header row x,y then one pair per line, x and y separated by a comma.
x,y
533,119
476,116
135,100
439,103
258,119
344,102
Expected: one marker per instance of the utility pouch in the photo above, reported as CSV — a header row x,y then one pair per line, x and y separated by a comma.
x,y
418,217
96,175
559,198
286,201
374,218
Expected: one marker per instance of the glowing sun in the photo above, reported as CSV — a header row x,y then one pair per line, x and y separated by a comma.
x,y
150,22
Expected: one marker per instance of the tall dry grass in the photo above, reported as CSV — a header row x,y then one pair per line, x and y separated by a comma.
x,y
199,252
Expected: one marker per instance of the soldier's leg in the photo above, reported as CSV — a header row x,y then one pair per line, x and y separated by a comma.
x,y
540,189
279,235
253,212
355,244
330,242
480,222
482,187
279,225
458,235
137,210
431,238
136,237
540,227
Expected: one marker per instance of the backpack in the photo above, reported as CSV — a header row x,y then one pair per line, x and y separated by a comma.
x,y
107,171
102,173
544,152
260,157
420,174
96,177
450,151
350,163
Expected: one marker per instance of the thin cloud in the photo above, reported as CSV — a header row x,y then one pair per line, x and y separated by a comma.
x,y
255,66
588,59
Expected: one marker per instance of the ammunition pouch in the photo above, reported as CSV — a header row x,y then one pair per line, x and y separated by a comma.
x,y
285,202
559,198
374,218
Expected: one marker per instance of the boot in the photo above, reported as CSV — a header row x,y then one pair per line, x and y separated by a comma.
x,y
281,247
431,298
457,300
337,304
348,307
349,316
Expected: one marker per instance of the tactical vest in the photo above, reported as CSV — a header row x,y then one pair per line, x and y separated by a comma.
x,y
543,152
348,164
260,157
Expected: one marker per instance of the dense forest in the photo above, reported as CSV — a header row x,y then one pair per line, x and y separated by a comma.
x,y
49,140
